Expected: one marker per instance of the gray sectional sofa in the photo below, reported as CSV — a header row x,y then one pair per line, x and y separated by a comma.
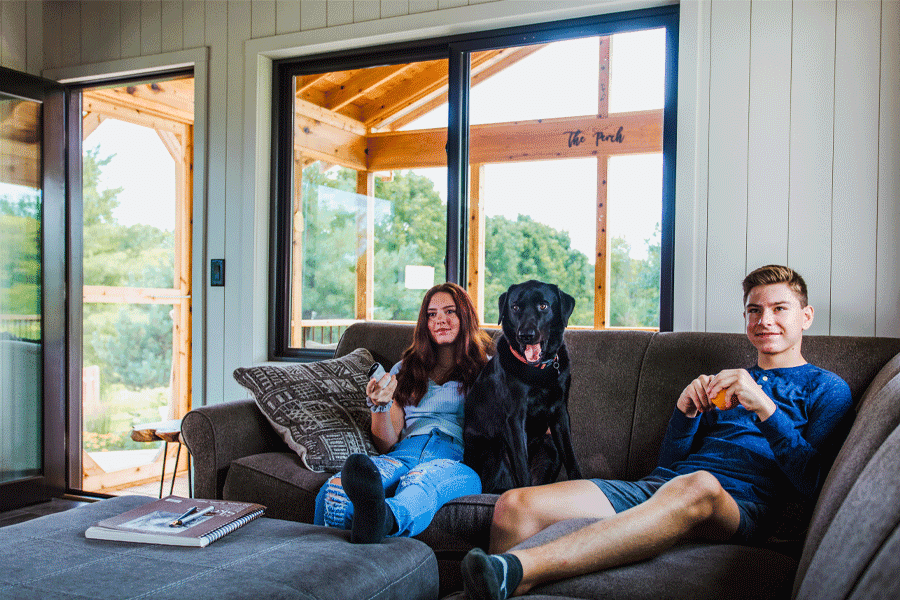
x,y
624,385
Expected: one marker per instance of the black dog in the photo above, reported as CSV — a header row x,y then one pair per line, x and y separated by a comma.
x,y
522,392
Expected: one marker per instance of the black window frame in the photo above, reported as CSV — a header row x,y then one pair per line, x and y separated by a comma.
x,y
457,49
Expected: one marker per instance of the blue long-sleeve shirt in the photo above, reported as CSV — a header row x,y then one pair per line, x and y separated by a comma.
x,y
788,453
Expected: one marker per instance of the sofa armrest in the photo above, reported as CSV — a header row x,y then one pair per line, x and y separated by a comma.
x,y
218,434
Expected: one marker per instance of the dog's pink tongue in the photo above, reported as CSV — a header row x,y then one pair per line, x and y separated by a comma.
x,y
533,353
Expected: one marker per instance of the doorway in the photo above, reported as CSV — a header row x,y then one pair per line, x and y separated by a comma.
x,y
137,165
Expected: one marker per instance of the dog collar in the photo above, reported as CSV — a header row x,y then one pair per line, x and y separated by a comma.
x,y
554,361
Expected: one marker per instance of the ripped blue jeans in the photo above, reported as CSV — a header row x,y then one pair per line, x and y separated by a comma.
x,y
420,474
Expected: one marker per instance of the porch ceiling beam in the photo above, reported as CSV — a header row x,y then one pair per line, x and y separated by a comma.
x,y
139,101
365,85
323,141
305,83
129,114
168,97
89,124
308,110
484,65
569,137
431,78
173,145
20,163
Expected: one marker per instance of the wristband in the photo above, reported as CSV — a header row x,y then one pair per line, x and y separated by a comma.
x,y
379,408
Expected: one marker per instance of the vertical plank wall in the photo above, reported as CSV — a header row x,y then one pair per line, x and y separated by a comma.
x,y
794,155
803,169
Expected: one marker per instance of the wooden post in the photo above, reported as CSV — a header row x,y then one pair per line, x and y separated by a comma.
x,y
297,226
601,266
475,283
183,261
365,245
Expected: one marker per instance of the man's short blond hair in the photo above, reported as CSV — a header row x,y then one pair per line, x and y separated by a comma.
x,y
770,274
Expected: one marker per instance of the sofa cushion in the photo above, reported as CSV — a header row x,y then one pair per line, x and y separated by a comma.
x,y
605,372
694,570
319,408
279,481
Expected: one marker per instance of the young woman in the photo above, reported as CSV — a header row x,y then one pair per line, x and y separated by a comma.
x,y
417,423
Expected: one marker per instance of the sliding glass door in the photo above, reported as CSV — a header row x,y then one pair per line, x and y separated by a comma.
x,y
32,277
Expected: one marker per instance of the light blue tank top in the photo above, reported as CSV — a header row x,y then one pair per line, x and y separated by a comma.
x,y
441,408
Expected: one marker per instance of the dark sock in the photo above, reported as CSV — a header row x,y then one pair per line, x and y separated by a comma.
x,y
490,576
362,483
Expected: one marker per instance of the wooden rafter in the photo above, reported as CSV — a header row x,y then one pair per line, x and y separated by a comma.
x,y
369,84
164,100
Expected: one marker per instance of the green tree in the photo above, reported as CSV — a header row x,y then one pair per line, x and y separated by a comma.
x,y
523,249
131,344
329,243
410,229
634,296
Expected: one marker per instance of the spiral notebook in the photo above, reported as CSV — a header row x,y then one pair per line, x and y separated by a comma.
x,y
177,521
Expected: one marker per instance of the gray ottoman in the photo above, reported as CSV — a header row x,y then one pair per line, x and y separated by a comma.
x,y
49,557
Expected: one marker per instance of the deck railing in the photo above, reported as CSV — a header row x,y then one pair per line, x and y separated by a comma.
x,y
323,333
25,327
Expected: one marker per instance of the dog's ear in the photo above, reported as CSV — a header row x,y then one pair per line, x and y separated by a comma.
x,y
501,304
566,304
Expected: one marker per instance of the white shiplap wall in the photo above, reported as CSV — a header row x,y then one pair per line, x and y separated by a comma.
x,y
788,138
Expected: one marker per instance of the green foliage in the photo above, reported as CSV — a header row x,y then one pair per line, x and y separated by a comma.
x,y
20,257
329,243
410,229
115,254
634,300
131,344
123,409
523,249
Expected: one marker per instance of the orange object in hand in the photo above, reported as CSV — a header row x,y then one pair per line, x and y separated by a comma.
x,y
719,400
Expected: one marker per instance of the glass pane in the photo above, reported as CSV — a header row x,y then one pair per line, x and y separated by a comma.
x,y
129,207
21,405
127,364
635,209
369,209
637,77
528,236
408,234
567,140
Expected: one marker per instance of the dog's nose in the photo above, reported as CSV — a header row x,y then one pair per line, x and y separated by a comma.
x,y
527,335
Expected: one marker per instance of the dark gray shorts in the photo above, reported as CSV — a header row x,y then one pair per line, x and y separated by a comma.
x,y
626,494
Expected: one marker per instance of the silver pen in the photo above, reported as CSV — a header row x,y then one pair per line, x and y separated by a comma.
x,y
180,520
195,515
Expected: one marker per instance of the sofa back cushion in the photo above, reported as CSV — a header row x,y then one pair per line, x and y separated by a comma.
x,y
386,341
672,361
878,417
859,554
606,367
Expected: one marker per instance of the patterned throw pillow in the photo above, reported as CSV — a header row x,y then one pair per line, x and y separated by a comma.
x,y
318,408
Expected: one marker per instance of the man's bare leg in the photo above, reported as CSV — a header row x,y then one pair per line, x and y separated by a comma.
x,y
689,506
693,505
523,512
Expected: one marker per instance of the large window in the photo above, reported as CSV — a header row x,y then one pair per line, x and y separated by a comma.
x,y
544,152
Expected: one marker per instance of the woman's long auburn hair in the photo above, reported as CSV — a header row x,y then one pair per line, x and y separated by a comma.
x,y
471,349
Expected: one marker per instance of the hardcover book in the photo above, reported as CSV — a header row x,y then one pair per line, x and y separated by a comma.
x,y
177,521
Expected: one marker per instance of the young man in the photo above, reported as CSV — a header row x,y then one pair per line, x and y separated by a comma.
x,y
772,438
